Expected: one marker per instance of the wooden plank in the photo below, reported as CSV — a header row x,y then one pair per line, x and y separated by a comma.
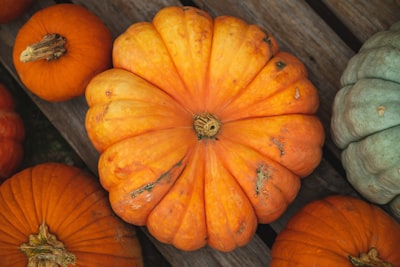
x,y
118,15
256,254
364,18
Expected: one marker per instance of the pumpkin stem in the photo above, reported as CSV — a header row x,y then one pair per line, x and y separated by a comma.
x,y
369,259
44,250
51,47
206,125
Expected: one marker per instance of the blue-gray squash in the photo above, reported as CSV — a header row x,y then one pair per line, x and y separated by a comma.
x,y
366,119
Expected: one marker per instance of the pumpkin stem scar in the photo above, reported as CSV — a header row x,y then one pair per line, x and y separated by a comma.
x,y
163,177
51,47
206,125
369,259
45,250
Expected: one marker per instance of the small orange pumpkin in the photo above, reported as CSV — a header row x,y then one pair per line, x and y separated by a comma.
x,y
11,9
60,49
338,231
56,215
204,128
12,134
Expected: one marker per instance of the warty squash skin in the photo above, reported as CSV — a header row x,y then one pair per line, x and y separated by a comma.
x,y
59,49
204,128
334,231
12,134
72,213
366,118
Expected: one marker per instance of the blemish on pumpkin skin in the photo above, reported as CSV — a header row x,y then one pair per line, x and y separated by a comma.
x,y
381,110
280,65
165,177
242,227
280,146
100,116
263,174
267,39
108,93
296,93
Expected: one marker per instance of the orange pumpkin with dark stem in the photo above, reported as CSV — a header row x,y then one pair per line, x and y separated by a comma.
x,y
60,49
12,134
11,9
57,215
338,231
204,128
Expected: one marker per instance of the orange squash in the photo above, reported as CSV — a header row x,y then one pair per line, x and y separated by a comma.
x,y
60,49
12,134
338,231
11,9
204,128
57,215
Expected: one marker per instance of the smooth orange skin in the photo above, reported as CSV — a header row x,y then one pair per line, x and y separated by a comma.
x,y
11,9
327,231
89,44
12,134
76,210
193,192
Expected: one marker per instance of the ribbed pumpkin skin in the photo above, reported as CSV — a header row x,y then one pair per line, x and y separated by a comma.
x,y
12,134
76,210
88,51
191,190
366,118
326,232
11,9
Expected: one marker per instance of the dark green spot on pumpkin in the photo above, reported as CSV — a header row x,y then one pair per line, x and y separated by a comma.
x,y
280,65
267,39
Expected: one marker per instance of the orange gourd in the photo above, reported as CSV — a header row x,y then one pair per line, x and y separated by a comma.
x,y
12,134
204,128
338,231
11,9
58,215
60,49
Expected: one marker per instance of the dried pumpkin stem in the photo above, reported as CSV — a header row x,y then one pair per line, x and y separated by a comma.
x,y
44,250
206,125
51,47
369,259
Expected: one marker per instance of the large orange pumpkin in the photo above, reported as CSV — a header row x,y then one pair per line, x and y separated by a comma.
x,y
59,215
59,49
11,9
204,128
12,134
338,231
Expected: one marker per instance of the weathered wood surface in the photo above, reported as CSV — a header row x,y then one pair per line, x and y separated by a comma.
x,y
300,28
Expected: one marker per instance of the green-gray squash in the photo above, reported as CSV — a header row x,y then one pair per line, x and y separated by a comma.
x,y
366,119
